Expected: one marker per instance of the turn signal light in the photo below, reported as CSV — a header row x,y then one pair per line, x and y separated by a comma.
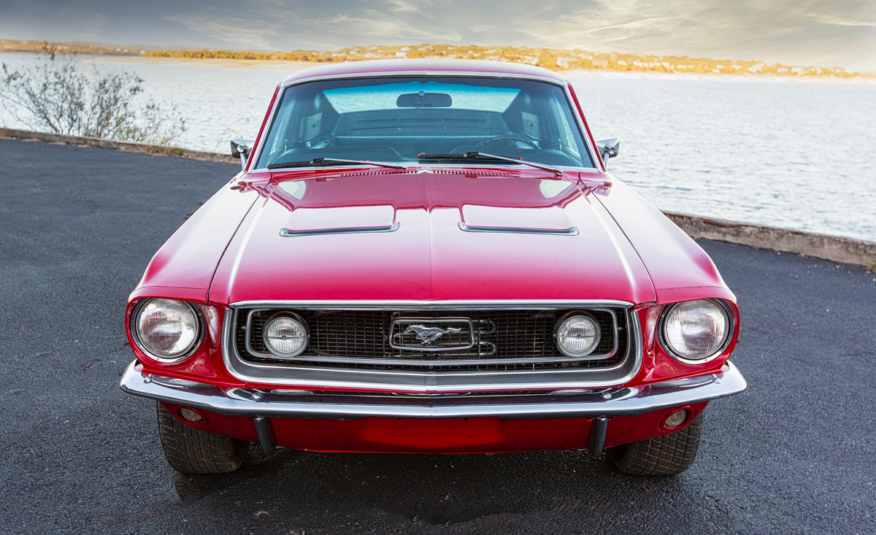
x,y
676,419
190,415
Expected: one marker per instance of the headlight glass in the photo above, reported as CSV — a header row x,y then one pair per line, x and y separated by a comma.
x,y
578,335
167,329
285,335
696,330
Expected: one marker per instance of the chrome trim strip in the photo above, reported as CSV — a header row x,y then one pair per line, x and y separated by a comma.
x,y
421,73
249,348
286,233
236,354
579,119
486,361
420,348
390,361
173,382
485,304
571,231
431,381
629,401
593,152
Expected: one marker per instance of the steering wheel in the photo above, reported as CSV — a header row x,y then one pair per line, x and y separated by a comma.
x,y
515,138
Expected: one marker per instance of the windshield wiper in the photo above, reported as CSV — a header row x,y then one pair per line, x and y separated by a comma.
x,y
484,156
320,162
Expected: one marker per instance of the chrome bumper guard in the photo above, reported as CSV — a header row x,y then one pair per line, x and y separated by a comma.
x,y
569,403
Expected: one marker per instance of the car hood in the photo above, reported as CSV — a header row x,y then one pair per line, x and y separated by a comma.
x,y
427,235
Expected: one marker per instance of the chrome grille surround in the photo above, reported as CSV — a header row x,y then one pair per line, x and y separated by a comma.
x,y
440,372
509,339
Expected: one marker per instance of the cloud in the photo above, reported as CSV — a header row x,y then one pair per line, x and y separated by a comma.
x,y
401,6
822,32
232,29
635,24
830,19
377,28
90,28
788,31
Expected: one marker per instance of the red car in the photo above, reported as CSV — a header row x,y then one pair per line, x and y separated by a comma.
x,y
430,257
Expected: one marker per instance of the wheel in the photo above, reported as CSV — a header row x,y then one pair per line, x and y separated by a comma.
x,y
663,456
193,451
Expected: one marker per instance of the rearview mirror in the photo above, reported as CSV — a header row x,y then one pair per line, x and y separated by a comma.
x,y
608,148
424,100
241,148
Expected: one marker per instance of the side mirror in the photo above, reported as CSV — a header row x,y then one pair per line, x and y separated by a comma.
x,y
608,148
241,148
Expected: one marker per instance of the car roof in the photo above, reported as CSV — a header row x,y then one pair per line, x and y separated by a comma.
x,y
423,66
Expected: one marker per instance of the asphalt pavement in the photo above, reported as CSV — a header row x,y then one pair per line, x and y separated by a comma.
x,y
794,453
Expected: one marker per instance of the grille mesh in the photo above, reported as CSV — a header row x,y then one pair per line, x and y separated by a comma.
x,y
521,335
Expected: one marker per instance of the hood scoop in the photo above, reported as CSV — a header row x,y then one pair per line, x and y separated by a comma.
x,y
550,220
346,220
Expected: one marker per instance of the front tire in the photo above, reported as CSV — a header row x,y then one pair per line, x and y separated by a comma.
x,y
662,456
193,451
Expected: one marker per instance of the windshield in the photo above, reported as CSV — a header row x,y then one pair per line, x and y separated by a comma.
x,y
403,119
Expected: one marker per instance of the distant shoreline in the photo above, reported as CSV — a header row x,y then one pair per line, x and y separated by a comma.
x,y
292,66
555,59
718,77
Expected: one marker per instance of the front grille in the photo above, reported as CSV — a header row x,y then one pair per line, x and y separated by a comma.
x,y
501,340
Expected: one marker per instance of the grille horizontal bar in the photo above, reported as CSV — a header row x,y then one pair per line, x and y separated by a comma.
x,y
505,340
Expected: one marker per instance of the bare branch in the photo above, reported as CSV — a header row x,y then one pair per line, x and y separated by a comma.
x,y
58,95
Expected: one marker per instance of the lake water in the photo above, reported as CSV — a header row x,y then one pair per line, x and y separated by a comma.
x,y
798,155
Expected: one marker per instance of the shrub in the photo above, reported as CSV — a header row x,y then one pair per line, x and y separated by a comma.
x,y
59,95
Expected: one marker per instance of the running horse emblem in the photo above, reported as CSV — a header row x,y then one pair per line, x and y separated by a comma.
x,y
429,334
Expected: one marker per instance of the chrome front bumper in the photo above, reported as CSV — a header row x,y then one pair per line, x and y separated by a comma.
x,y
580,403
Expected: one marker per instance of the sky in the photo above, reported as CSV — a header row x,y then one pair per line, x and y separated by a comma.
x,y
824,33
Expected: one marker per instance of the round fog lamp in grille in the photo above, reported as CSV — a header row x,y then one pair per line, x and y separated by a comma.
x,y
285,335
676,419
577,335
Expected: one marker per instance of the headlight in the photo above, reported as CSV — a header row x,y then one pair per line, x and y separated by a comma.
x,y
696,330
167,329
577,335
285,335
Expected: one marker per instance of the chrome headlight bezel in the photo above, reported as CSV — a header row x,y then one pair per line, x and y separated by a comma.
x,y
199,337
567,317
298,319
673,352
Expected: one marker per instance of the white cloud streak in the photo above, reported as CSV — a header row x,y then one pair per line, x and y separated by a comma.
x,y
838,21
231,29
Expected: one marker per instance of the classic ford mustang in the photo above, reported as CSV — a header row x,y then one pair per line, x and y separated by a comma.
x,y
430,257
